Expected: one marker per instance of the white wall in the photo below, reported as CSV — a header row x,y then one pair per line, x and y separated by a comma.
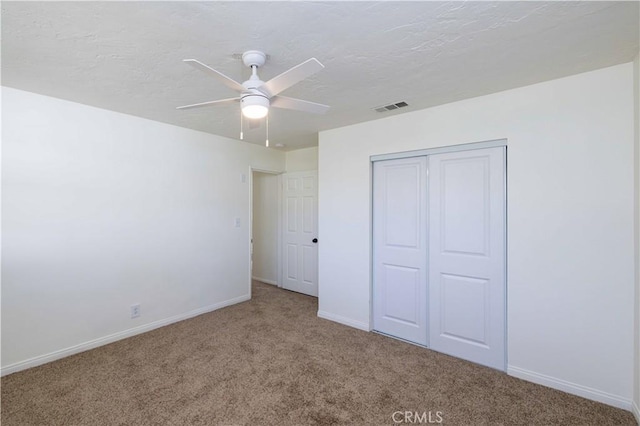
x,y
570,221
636,92
102,210
302,160
265,227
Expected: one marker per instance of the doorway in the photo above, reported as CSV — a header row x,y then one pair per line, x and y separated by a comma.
x,y
265,227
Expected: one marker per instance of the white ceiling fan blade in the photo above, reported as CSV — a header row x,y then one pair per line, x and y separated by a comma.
x,y
227,81
209,103
299,105
294,75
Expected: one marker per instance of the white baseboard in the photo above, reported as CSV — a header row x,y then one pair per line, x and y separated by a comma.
x,y
344,320
636,411
572,388
263,280
91,344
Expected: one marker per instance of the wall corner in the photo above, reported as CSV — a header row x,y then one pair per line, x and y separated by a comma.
x,y
636,236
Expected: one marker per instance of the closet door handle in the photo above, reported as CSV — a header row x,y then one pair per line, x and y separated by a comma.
x,y
315,240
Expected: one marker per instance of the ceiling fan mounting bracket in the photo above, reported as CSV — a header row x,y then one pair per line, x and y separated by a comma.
x,y
253,58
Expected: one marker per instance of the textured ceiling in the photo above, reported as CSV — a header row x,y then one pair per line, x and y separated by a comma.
x,y
127,56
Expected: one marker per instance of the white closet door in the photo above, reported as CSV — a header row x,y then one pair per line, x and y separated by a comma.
x,y
467,255
400,248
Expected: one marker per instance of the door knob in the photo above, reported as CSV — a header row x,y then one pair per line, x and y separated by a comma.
x,y
315,240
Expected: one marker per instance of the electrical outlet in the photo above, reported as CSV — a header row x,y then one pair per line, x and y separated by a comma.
x,y
135,310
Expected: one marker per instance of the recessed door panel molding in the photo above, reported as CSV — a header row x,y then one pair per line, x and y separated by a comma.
x,y
401,203
292,214
464,304
292,184
309,183
292,262
439,251
467,255
465,233
309,262
401,284
300,237
400,248
308,215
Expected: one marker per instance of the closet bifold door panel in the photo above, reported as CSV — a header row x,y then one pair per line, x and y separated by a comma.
x,y
467,255
400,248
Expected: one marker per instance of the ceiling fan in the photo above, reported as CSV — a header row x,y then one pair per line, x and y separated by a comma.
x,y
256,96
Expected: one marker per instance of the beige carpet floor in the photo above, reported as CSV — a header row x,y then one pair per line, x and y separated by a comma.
x,y
271,361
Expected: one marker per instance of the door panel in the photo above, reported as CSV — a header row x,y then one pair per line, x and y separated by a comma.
x,y
300,228
463,308
466,255
308,215
405,287
291,214
291,263
465,189
400,248
309,261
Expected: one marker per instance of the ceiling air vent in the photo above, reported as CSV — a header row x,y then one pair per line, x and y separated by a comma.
x,y
391,107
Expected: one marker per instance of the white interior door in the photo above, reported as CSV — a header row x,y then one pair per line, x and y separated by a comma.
x,y
400,248
300,250
467,255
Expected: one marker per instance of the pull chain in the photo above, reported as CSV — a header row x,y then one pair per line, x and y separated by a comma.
x,y
267,142
241,134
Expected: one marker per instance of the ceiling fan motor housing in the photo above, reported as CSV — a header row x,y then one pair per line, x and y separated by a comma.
x,y
251,98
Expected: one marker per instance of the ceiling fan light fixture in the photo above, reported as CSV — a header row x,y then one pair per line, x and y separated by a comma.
x,y
254,106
